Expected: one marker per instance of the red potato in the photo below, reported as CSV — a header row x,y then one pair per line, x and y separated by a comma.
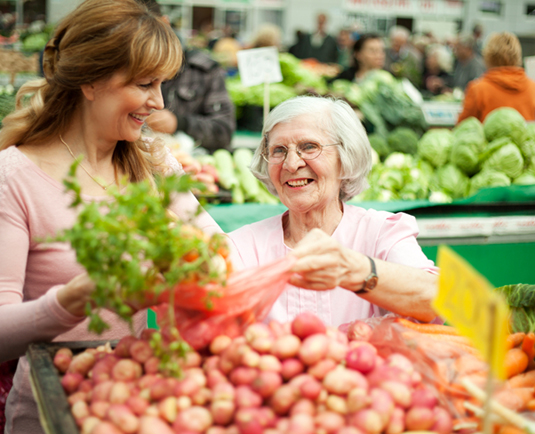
x,y
152,365
80,410
99,409
349,430
192,360
232,429
89,424
367,420
329,421
247,421
147,334
219,344
320,369
194,419
337,335
357,399
126,370
243,375
361,358
183,402
302,423
102,370
303,405
359,331
222,411
77,396
201,397
82,363
341,380
121,416
152,424
163,388
400,393
148,380
250,358
86,386
286,346
141,351
382,402
186,387
257,330
70,381
152,410
388,373
283,424
223,391
291,367
216,430
119,393
396,425
278,329
210,363
424,397
167,409
400,361
283,399
419,419
266,383
197,375
247,398
307,324
122,349
215,377
225,365
62,359
443,422
310,388
104,427
336,350
262,344
314,348
269,362
137,404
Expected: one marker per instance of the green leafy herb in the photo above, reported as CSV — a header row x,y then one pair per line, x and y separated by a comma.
x,y
521,300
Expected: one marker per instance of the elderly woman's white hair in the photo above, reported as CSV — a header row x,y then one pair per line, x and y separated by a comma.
x,y
339,121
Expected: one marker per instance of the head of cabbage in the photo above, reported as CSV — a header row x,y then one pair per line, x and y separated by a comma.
x,y
435,146
507,159
505,122
488,178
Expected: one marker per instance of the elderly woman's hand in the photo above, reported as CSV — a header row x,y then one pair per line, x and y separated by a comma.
x,y
324,264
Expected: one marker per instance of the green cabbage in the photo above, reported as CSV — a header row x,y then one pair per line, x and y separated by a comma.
x,y
403,139
380,145
453,181
470,125
488,178
465,157
399,160
505,122
507,159
527,147
391,179
527,178
435,146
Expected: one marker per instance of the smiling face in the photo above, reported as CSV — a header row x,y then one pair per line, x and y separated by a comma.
x,y
119,110
305,185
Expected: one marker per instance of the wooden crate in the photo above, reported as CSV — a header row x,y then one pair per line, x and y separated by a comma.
x,y
54,410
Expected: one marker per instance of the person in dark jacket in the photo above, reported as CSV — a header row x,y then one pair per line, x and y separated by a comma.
x,y
197,103
318,45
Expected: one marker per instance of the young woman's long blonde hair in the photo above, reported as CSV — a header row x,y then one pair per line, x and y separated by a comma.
x,y
96,40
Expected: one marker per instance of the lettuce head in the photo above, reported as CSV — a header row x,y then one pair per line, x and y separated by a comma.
x,y
435,146
505,122
507,159
488,178
453,181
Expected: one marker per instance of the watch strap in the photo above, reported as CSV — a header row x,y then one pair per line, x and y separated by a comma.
x,y
373,275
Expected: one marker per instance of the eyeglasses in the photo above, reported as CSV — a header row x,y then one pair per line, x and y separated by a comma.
x,y
307,151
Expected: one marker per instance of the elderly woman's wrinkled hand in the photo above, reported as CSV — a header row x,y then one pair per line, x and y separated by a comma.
x,y
324,264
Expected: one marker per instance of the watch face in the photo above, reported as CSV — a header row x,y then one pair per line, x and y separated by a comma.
x,y
371,282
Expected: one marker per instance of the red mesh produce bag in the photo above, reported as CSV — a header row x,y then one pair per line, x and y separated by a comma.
x,y
7,370
202,313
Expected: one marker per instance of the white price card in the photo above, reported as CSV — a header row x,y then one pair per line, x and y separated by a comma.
x,y
529,66
259,65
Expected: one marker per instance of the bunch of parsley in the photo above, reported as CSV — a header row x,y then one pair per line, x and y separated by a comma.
x,y
133,247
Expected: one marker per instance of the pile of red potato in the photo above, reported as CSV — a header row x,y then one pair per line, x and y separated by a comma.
x,y
298,378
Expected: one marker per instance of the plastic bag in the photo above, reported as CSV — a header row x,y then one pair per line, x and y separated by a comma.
x,y
202,313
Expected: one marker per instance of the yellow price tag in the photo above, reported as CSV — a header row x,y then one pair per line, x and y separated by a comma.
x,y
467,301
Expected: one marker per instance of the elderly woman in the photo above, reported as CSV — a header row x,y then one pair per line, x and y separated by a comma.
x,y
353,263
504,84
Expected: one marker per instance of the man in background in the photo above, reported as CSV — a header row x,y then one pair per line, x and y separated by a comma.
x,y
318,45
403,60
469,65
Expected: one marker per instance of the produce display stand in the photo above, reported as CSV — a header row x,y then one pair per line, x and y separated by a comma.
x,y
441,113
494,230
54,410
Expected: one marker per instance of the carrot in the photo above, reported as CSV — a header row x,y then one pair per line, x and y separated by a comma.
x,y
528,345
525,379
514,340
530,405
428,328
516,362
525,394
510,429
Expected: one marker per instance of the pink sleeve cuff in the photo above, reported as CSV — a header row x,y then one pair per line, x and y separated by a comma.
x,y
57,311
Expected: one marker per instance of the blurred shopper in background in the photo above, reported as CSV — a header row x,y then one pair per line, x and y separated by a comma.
x,y
477,33
504,84
437,78
469,65
196,101
403,60
368,55
268,35
345,43
318,45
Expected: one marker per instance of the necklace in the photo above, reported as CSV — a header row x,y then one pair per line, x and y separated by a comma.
x,y
104,187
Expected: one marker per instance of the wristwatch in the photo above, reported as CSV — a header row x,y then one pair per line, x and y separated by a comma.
x,y
371,280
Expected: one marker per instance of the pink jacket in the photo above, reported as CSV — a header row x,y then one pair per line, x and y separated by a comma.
x,y
379,234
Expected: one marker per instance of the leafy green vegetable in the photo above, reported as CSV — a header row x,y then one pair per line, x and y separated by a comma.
x,y
452,181
404,140
526,178
505,122
380,145
465,155
521,300
129,244
488,178
435,146
470,125
507,159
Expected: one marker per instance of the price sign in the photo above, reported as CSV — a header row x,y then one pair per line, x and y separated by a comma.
x,y
467,301
259,65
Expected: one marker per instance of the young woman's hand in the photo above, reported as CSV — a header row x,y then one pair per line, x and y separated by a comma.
x,y
74,295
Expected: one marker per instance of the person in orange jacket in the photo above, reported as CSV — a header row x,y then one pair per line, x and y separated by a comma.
x,y
505,84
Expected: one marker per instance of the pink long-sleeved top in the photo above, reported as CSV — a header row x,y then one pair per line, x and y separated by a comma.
x,y
379,234
33,206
